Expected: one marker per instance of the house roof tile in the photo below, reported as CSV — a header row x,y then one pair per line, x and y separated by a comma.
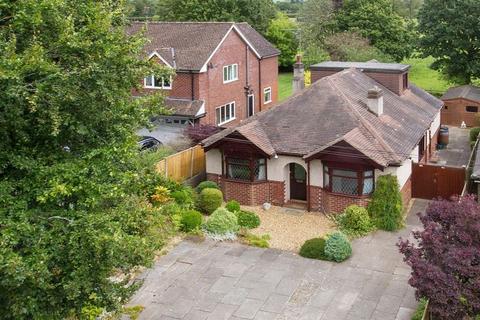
x,y
335,108
189,45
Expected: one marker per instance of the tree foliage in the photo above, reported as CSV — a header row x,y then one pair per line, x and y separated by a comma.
x,y
73,193
376,20
386,207
258,13
445,258
281,32
451,34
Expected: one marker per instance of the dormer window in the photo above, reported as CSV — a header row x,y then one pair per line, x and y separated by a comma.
x,y
153,82
230,73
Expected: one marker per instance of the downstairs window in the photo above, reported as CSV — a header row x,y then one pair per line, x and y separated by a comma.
x,y
353,182
246,169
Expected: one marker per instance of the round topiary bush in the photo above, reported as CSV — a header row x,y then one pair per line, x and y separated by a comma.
x,y
209,200
314,249
206,184
183,197
221,222
337,247
247,219
191,220
355,221
232,206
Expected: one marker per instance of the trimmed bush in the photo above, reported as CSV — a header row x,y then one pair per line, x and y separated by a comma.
x,y
355,221
337,247
170,209
209,200
314,249
257,241
206,184
191,220
161,195
183,197
474,134
232,206
221,222
386,208
247,219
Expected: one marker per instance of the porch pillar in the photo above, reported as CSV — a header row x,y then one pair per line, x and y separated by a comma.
x,y
308,186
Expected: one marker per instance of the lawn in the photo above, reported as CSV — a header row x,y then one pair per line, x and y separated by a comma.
x,y
284,85
426,78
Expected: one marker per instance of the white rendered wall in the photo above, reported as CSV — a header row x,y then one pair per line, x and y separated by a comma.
x,y
213,158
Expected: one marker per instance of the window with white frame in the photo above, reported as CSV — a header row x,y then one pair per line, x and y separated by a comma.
x,y
267,95
153,82
230,73
225,113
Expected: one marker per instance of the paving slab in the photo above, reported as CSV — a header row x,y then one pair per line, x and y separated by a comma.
x,y
225,280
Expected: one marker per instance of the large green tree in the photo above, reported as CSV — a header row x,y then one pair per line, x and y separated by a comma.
x,y
377,21
258,13
73,206
282,33
450,32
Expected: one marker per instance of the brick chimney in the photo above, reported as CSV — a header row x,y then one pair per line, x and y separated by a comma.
x,y
375,100
298,75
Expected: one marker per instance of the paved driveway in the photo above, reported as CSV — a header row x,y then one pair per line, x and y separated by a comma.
x,y
458,150
231,281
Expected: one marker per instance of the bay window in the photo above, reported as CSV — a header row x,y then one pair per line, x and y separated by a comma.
x,y
247,169
348,181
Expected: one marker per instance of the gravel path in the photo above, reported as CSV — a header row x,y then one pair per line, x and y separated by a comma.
x,y
289,228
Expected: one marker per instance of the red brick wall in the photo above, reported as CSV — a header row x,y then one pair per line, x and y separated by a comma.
x,y
454,112
269,72
392,81
250,194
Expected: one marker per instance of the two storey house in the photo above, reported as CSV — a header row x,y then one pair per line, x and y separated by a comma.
x,y
224,72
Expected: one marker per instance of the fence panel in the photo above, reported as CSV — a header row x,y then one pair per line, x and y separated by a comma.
x,y
184,164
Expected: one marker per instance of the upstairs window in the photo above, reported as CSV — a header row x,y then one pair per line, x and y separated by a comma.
x,y
246,169
230,73
225,113
152,82
353,182
471,109
267,95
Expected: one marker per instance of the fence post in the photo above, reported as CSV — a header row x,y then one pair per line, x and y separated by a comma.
x,y
191,161
166,167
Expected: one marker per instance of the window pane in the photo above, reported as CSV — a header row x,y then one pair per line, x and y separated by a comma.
x,y
148,81
238,169
225,73
472,109
158,82
234,72
368,173
260,172
222,112
344,173
367,186
345,185
227,110
217,111
166,82
233,109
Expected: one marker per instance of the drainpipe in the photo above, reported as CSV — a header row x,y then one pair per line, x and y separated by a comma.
x,y
309,207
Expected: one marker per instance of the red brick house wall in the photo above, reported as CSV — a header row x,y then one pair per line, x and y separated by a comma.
x,y
393,81
454,112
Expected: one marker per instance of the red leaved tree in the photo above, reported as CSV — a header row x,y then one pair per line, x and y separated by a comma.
x,y
445,258
199,132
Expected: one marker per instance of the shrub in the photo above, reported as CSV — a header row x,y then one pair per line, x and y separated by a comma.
x,y
209,200
221,222
232,206
183,197
206,184
313,249
257,241
474,134
170,209
247,219
355,221
385,208
161,195
191,220
337,247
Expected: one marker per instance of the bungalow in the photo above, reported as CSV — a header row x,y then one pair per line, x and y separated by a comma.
x,y
326,145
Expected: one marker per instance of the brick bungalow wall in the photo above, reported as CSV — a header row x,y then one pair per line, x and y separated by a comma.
x,y
392,81
454,112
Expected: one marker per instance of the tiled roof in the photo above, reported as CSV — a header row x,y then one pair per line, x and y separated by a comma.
x,y
334,109
184,107
467,92
194,42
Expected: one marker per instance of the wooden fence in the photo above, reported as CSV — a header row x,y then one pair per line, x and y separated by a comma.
x,y
184,164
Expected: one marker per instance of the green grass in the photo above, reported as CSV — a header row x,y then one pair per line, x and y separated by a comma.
x,y
426,78
284,85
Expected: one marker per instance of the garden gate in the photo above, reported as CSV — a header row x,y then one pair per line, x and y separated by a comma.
x,y
432,181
